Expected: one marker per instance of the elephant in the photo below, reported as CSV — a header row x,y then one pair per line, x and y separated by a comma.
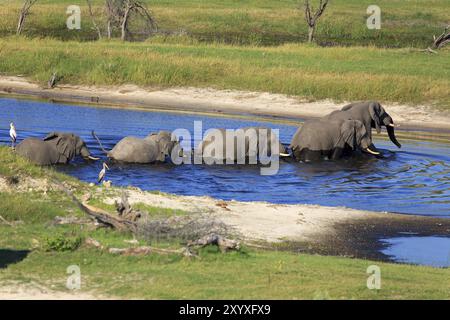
x,y
245,145
55,148
318,139
153,148
371,114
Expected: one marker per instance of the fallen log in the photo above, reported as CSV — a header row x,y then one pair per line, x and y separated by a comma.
x,y
145,250
224,244
443,39
100,215
3,220
106,218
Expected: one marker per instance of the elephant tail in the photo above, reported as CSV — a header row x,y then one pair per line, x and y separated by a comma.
x,y
99,142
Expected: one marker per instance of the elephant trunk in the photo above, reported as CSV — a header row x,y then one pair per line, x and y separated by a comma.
x,y
86,154
391,133
389,123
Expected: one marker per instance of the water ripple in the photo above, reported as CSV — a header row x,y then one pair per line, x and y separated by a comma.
x,y
412,180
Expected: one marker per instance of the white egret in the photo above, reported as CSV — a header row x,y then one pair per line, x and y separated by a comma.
x,y
102,173
12,134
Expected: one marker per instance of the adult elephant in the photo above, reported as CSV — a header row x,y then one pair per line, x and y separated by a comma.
x,y
371,114
153,148
240,145
55,148
319,139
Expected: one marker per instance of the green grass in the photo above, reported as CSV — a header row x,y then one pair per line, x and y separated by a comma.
x,y
249,274
311,72
405,23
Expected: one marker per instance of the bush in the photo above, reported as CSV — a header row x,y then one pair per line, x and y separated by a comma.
x,y
62,243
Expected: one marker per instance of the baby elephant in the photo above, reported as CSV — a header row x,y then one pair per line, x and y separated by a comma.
x,y
57,147
318,139
239,145
153,148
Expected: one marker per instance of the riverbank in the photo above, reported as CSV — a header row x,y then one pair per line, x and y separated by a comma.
x,y
288,251
312,73
211,101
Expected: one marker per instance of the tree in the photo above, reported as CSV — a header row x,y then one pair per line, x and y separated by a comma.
x,y
311,19
120,14
24,12
99,32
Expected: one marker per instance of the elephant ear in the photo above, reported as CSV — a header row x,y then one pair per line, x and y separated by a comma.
x,y
348,133
51,135
66,146
375,113
347,107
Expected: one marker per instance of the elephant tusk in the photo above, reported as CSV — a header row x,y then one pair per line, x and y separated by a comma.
x,y
285,155
93,158
393,125
372,152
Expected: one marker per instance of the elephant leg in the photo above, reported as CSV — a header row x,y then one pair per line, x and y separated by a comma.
x,y
337,154
310,155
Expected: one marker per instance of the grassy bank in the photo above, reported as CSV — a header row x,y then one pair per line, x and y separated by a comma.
x,y
246,274
356,73
405,23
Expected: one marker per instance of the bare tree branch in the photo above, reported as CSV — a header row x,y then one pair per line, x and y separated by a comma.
x,y
311,19
443,39
99,33
24,12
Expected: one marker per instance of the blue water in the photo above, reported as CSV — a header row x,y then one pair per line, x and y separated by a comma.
x,y
432,251
414,179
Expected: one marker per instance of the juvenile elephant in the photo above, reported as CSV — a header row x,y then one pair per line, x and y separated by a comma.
x,y
55,148
153,148
246,143
371,114
318,139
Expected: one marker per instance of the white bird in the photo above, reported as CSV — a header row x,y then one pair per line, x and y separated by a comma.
x,y
12,134
102,173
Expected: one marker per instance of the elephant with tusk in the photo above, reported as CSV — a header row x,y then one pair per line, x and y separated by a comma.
x,y
371,114
55,148
153,148
318,139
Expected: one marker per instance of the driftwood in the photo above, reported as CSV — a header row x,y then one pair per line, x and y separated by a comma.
x,y
224,244
125,210
144,250
123,224
94,243
100,215
108,219
3,220
52,82
443,39
137,251
70,220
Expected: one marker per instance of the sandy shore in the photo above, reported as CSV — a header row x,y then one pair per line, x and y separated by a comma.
x,y
207,100
311,226
33,291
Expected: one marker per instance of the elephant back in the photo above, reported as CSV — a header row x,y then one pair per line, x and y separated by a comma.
x,y
134,150
36,151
